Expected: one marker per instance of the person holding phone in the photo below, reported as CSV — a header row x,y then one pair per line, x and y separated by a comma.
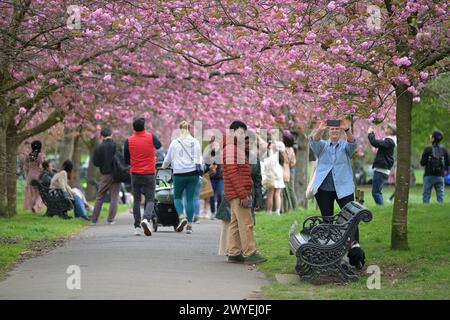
x,y
237,177
334,176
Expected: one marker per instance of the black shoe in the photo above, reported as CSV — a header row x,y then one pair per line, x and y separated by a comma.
x,y
86,218
65,216
255,258
236,259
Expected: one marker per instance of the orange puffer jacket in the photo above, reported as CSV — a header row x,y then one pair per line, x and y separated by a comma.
x,y
237,177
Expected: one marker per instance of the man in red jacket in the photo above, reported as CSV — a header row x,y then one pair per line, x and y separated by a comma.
x,y
238,183
140,155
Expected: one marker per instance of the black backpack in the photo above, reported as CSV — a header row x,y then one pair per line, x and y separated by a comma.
x,y
121,171
436,161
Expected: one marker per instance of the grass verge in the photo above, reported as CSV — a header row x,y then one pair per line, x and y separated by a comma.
x,y
422,272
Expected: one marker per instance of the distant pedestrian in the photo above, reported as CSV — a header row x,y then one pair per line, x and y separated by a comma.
x,y
289,199
384,160
274,176
215,174
32,164
140,155
435,159
103,159
184,155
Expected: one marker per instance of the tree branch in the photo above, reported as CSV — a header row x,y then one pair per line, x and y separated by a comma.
x,y
54,118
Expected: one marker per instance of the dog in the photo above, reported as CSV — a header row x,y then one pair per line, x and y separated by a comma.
x,y
355,256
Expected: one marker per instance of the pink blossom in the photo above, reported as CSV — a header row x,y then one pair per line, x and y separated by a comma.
x,y
403,61
331,6
310,37
424,75
74,68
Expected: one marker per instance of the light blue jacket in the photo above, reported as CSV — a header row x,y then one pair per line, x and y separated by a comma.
x,y
338,159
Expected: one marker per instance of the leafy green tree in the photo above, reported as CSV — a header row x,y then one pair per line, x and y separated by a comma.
x,y
431,113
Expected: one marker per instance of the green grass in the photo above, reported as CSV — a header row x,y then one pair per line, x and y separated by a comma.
x,y
422,272
21,233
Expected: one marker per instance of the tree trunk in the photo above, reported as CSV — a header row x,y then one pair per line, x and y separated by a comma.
x,y
3,192
399,236
92,173
301,176
66,147
76,159
11,177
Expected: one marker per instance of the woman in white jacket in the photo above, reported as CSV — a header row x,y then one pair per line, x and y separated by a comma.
x,y
273,176
183,155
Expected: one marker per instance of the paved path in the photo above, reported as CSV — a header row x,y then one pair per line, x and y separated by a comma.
x,y
115,264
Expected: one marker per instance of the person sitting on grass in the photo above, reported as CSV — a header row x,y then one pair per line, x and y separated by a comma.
x,y
61,181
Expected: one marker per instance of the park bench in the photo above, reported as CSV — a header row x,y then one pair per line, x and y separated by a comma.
x,y
57,204
322,245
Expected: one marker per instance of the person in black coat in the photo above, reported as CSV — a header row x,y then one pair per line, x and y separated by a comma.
x,y
103,159
435,159
384,160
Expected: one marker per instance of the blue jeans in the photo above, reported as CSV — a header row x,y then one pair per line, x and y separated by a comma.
x,y
78,206
433,181
217,185
378,181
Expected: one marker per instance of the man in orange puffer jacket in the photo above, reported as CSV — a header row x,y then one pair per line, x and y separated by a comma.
x,y
238,191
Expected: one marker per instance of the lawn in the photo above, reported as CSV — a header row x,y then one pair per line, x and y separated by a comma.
x,y
28,234
422,272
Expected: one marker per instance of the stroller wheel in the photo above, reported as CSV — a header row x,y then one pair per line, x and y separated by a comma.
x,y
155,224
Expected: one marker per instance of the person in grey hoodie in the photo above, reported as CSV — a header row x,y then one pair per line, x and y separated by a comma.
x,y
384,160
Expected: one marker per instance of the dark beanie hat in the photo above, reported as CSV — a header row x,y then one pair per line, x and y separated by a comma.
x,y
437,135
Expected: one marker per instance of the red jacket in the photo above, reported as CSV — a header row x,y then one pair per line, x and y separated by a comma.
x,y
140,153
237,177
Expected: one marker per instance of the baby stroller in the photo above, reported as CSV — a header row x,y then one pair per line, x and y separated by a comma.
x,y
165,214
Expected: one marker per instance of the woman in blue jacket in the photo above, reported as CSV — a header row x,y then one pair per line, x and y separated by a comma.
x,y
334,175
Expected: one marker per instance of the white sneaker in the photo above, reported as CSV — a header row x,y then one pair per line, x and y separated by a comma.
x,y
111,223
146,227
181,225
137,231
189,229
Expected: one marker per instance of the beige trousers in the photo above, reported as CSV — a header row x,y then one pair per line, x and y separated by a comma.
x,y
240,232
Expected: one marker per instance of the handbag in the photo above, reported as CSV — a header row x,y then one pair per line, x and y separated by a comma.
x,y
224,210
198,166
310,188
207,189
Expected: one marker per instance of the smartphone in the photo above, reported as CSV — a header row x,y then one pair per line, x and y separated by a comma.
x,y
333,123
249,205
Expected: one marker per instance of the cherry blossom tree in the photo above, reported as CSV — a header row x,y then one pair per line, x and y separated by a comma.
x,y
215,61
347,57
